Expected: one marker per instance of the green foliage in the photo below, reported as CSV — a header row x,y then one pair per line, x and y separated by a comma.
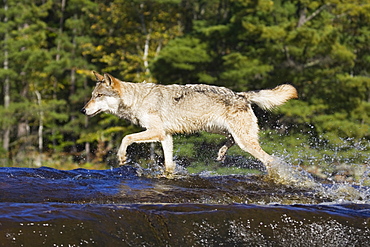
x,y
201,147
239,69
179,59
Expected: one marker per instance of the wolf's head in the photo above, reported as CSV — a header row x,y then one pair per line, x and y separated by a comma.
x,y
105,96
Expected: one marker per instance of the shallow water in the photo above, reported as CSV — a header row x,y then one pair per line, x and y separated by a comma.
x,y
115,207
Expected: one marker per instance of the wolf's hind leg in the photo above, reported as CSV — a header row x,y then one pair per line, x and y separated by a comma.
x,y
222,152
145,136
250,144
244,129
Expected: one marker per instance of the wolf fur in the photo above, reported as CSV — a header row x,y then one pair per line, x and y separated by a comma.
x,y
165,110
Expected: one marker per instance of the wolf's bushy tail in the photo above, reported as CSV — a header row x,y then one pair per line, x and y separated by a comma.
x,y
270,98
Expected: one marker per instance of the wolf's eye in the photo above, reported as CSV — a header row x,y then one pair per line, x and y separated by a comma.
x,y
99,95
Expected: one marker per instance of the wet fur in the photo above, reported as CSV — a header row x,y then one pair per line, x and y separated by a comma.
x,y
165,110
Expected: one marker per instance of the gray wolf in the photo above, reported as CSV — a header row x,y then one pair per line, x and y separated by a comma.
x,y
165,110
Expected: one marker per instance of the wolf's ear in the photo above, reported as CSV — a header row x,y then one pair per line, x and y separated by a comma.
x,y
98,76
108,79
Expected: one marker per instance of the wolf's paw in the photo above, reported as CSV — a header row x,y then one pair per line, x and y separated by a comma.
x,y
222,154
221,158
122,160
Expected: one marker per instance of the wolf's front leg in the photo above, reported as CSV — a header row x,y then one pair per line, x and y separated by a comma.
x,y
121,154
167,145
145,136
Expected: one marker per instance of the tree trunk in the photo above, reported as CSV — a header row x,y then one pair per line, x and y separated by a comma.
x,y
303,17
57,58
87,144
40,130
145,57
73,78
6,137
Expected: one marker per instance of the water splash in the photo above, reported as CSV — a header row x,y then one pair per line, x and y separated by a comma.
x,y
155,170
282,172
344,193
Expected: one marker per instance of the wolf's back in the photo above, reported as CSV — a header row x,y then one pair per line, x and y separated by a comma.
x,y
270,98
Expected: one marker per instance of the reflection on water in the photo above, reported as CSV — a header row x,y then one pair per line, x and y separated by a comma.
x,y
115,207
183,225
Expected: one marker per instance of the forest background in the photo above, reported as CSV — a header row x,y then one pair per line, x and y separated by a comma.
x,y
50,47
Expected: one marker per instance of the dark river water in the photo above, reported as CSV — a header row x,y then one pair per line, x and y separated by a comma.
x,y
115,207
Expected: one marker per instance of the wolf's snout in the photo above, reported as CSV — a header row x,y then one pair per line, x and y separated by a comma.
x,y
83,110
